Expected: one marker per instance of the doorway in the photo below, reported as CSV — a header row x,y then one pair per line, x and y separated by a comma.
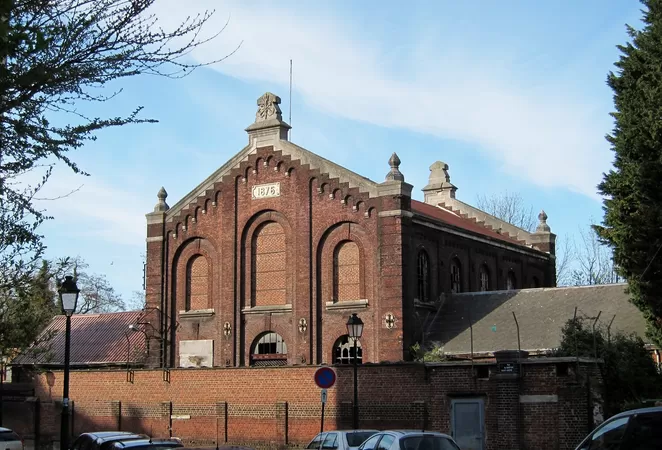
x,y
468,423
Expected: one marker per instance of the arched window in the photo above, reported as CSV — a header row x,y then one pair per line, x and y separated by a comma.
x,y
423,276
511,282
535,283
346,272
269,349
484,278
456,276
343,351
268,274
197,279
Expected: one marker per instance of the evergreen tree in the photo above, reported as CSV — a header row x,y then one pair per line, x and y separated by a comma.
x,y
632,225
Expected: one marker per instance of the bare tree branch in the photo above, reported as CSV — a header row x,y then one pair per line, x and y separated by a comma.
x,y
510,208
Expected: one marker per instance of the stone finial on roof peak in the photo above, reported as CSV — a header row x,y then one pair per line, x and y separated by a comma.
x,y
161,205
439,185
268,108
394,174
542,226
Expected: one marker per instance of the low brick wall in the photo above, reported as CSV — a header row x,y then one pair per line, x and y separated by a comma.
x,y
280,406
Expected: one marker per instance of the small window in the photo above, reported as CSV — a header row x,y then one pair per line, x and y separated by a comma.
x,y
343,351
423,276
316,442
610,435
482,372
269,350
646,432
456,277
356,438
371,443
562,369
330,441
484,278
386,442
510,281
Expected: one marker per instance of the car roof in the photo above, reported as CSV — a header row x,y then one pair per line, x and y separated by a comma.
x,y
139,442
104,434
417,433
652,409
5,429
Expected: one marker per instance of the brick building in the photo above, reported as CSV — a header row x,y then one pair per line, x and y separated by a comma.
x,y
262,263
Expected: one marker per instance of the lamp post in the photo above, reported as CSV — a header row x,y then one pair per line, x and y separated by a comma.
x,y
68,297
354,330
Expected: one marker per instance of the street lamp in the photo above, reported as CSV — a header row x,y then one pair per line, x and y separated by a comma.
x,y
354,330
68,297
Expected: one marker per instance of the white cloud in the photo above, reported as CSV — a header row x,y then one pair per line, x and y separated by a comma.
x,y
544,135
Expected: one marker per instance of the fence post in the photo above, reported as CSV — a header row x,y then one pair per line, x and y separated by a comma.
x,y
37,423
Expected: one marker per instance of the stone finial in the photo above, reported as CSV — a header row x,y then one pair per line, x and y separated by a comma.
x,y
268,108
439,184
161,206
394,174
542,226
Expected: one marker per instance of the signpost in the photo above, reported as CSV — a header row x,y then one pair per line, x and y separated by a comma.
x,y
325,378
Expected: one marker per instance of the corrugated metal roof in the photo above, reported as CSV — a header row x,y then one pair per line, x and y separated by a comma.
x,y
455,220
95,339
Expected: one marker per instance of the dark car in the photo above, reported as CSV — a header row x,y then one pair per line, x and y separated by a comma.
x,y
103,440
147,444
638,429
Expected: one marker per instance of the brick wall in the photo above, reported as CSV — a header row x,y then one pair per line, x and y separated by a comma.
x,y
277,406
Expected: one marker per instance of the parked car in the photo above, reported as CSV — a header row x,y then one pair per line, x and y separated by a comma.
x,y
103,440
9,440
409,440
147,444
340,439
638,429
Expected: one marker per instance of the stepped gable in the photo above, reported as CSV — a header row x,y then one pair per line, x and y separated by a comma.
x,y
269,146
461,221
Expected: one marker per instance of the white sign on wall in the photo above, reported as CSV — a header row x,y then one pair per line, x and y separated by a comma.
x,y
266,190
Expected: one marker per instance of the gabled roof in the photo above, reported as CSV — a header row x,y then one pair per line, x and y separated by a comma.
x,y
96,339
286,148
541,314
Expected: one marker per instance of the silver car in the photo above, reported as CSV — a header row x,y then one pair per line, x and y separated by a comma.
x,y
10,440
340,439
409,440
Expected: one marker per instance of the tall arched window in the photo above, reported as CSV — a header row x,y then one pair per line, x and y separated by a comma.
x,y
346,272
511,282
343,351
456,276
268,274
484,278
269,349
423,276
197,279
535,283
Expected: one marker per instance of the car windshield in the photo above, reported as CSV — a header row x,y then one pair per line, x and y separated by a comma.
x,y
354,439
427,443
8,436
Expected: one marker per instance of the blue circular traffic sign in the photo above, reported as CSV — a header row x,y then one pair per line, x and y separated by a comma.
x,y
325,377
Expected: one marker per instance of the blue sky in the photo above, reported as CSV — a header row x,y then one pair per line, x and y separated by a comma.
x,y
510,94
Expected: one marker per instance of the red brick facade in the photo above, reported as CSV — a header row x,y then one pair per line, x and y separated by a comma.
x,y
280,240
550,406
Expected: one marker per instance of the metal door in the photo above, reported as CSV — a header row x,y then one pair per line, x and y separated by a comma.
x,y
467,423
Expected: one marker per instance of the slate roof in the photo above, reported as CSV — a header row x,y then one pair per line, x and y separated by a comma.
x,y
541,314
96,339
457,221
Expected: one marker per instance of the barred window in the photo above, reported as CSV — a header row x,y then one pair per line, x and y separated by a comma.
x,y
484,278
511,282
269,349
456,276
423,276
343,351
